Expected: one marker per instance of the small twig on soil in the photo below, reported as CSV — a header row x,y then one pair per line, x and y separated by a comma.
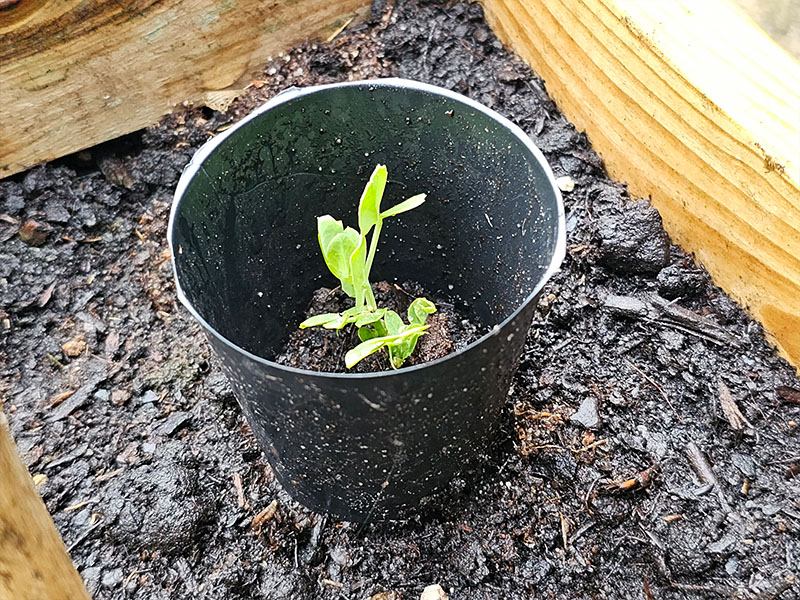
x,y
704,471
564,530
735,417
641,480
237,483
83,536
655,385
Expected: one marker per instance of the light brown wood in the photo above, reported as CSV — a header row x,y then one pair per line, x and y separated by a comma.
x,y
34,565
76,73
693,105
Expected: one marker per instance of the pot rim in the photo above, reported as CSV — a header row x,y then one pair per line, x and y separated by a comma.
x,y
292,93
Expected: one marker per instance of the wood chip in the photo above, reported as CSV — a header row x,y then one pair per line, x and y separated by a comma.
x,y
237,483
39,479
788,394
265,515
729,408
112,342
564,530
59,398
107,476
48,293
74,347
78,505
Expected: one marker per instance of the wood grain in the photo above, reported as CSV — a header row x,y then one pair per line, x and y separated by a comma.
x,y
76,73
34,565
694,106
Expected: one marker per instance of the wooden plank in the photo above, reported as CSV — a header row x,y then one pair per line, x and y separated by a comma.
x,y
76,73
34,565
693,105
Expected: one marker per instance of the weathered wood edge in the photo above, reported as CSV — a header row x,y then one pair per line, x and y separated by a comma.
x,y
34,564
74,74
693,105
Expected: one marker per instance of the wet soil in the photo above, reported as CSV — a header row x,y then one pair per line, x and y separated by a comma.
x,y
319,349
651,448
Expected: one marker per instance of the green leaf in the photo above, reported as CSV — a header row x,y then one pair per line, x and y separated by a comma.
x,y
369,207
370,317
337,323
419,310
368,333
404,206
375,344
358,270
363,350
403,348
327,229
394,324
319,320
338,251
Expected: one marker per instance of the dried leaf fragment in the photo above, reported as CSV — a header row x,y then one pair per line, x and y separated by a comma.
x,y
74,347
729,408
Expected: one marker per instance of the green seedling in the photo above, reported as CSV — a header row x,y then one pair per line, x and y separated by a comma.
x,y
349,258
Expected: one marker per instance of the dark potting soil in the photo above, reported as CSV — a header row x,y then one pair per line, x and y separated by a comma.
x,y
651,448
319,349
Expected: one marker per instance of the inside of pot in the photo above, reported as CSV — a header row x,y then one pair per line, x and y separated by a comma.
x,y
244,233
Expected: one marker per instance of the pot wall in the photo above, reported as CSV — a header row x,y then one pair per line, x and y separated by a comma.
x,y
243,234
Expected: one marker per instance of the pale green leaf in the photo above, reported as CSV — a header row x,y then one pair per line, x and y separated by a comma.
x,y
319,320
370,317
338,251
369,207
363,350
394,324
327,229
404,206
419,310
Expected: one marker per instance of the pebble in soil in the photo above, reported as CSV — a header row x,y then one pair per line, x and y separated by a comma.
x,y
567,513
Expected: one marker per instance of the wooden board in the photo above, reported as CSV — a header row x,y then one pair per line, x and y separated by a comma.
x,y
693,105
76,73
34,564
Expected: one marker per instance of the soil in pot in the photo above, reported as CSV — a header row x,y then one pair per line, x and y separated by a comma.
x,y
319,349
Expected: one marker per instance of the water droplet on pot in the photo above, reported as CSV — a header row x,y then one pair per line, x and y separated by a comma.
x,y
449,286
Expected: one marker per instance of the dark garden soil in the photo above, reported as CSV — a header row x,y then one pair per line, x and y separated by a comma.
x,y
319,349
652,448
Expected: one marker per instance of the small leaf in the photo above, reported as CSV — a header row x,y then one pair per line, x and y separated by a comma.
x,y
394,324
367,333
327,229
338,251
369,207
370,317
318,320
337,323
419,310
404,206
363,350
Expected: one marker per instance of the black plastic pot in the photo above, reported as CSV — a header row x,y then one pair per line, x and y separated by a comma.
x,y
246,258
